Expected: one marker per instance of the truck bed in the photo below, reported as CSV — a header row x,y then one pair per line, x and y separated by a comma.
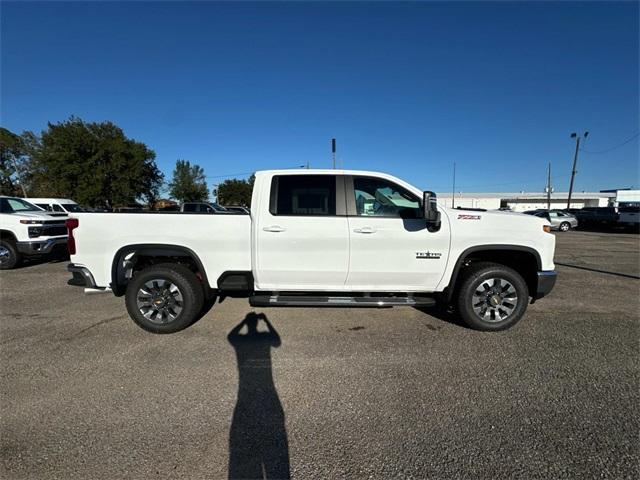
x,y
222,242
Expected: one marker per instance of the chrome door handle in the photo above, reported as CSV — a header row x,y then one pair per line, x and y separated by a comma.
x,y
365,230
274,228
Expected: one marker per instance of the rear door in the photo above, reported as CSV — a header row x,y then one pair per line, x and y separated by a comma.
x,y
303,240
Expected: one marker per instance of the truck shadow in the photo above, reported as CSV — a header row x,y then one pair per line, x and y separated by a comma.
x,y
443,313
258,444
54,257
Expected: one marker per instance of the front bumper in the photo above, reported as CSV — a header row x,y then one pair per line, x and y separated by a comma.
x,y
81,276
546,281
40,247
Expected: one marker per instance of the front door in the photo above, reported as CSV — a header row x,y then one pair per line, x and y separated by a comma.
x,y
391,248
303,241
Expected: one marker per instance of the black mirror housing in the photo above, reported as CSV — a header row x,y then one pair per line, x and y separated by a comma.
x,y
430,210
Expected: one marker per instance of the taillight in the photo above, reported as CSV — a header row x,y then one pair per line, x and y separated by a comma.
x,y
71,223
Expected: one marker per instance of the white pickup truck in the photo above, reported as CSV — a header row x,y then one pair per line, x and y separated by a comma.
x,y
315,238
27,231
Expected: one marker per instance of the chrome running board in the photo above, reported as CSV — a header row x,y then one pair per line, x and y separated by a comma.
x,y
339,301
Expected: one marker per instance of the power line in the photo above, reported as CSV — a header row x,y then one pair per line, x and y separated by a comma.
x,y
251,173
520,182
612,148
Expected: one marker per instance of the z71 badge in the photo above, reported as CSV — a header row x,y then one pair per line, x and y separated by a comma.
x,y
469,217
428,255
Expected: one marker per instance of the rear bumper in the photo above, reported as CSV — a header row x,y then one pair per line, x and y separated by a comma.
x,y
40,247
81,276
546,282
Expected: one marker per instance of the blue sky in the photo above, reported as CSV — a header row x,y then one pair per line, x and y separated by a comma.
x,y
406,88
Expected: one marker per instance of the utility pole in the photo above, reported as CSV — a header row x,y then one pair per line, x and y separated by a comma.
x,y
333,152
549,187
453,192
575,162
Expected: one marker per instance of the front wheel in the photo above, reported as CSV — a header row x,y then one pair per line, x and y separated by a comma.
x,y
565,227
492,297
9,255
164,298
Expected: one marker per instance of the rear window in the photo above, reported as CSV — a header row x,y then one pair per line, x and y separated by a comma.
x,y
303,195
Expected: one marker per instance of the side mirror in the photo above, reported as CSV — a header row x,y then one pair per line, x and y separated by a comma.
x,y
430,211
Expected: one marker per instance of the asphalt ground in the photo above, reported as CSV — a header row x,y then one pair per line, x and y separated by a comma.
x,y
326,393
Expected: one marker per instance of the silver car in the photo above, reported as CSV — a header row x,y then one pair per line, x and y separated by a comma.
x,y
558,219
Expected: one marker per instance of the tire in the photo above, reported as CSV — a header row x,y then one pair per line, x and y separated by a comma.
x,y
164,298
9,255
564,227
488,306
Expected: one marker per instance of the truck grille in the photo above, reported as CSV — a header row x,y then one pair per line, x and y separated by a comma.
x,y
48,229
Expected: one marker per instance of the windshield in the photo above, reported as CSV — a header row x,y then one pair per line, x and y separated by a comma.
x,y
16,205
72,207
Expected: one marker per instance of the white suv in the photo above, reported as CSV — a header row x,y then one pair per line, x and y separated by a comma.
x,y
27,231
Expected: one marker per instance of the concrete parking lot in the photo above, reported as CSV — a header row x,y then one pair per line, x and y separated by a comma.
x,y
328,393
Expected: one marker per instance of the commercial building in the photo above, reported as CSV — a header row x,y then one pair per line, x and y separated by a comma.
x,y
521,201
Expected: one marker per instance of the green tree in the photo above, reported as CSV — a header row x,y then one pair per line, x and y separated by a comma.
x,y
188,183
93,163
13,163
236,192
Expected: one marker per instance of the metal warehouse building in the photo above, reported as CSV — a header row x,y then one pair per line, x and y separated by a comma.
x,y
519,202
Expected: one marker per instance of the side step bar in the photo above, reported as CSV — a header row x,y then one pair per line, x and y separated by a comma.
x,y
346,301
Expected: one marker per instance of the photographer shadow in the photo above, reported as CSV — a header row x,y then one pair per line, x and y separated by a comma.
x,y
258,445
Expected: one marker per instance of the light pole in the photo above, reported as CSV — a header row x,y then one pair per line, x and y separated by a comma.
x,y
453,190
575,162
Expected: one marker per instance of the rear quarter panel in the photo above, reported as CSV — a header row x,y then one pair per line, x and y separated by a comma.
x,y
221,242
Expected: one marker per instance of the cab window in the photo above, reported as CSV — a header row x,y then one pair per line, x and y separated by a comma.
x,y
303,195
377,197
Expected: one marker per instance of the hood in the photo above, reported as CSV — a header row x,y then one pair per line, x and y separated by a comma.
x,y
39,216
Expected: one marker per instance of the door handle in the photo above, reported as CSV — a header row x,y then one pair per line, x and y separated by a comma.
x,y
274,228
365,230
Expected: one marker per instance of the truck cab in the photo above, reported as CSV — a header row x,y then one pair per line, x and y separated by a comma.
x,y
319,238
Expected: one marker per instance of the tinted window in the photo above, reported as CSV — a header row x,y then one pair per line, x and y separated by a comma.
x,y
381,198
44,206
57,208
304,195
11,205
190,207
73,207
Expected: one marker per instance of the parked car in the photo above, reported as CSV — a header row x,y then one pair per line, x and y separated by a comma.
x,y
598,216
26,230
559,220
629,217
60,205
202,207
238,209
311,241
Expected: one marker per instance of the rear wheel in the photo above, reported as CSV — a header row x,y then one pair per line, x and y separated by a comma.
x,y
164,298
564,227
492,297
9,255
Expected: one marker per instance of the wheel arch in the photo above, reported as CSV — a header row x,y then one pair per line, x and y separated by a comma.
x,y
9,234
524,260
144,254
